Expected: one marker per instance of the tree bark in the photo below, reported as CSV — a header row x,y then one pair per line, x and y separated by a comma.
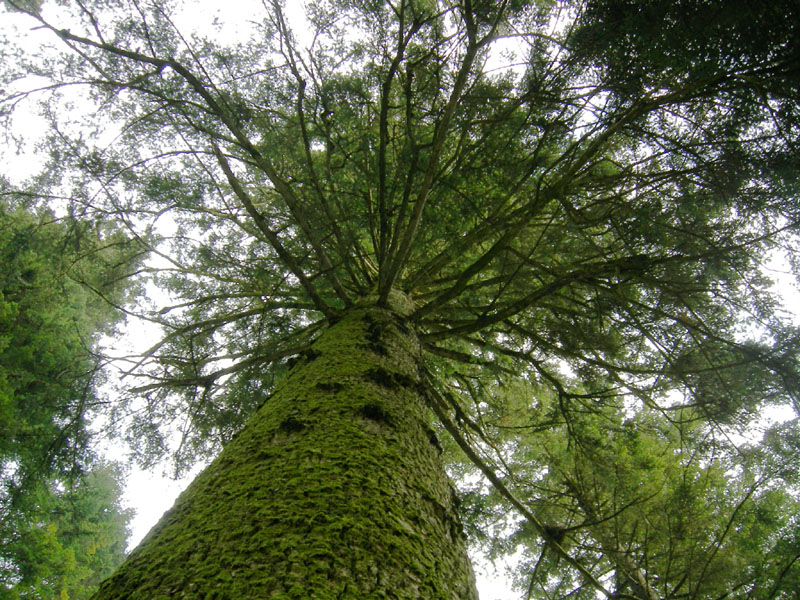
x,y
334,489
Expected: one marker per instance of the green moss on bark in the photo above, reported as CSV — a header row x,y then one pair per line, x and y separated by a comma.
x,y
333,490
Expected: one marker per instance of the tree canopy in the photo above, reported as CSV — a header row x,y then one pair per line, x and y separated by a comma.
x,y
62,538
58,277
581,199
62,528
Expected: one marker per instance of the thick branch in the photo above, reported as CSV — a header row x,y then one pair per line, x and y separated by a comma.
x,y
272,237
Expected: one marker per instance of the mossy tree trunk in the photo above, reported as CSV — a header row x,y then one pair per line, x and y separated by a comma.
x,y
334,489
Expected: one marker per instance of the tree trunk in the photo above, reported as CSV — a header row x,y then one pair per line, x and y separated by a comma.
x,y
334,489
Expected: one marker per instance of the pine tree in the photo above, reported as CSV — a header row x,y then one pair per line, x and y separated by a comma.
x,y
529,236
61,527
62,537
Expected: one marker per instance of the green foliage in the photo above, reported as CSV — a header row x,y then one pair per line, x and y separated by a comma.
x,y
59,542
581,200
62,528
57,278
669,44
24,5
633,490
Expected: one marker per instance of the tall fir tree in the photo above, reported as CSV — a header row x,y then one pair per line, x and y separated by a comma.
x,y
522,238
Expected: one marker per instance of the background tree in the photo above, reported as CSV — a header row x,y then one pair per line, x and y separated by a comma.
x,y
60,541
569,205
58,276
62,527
